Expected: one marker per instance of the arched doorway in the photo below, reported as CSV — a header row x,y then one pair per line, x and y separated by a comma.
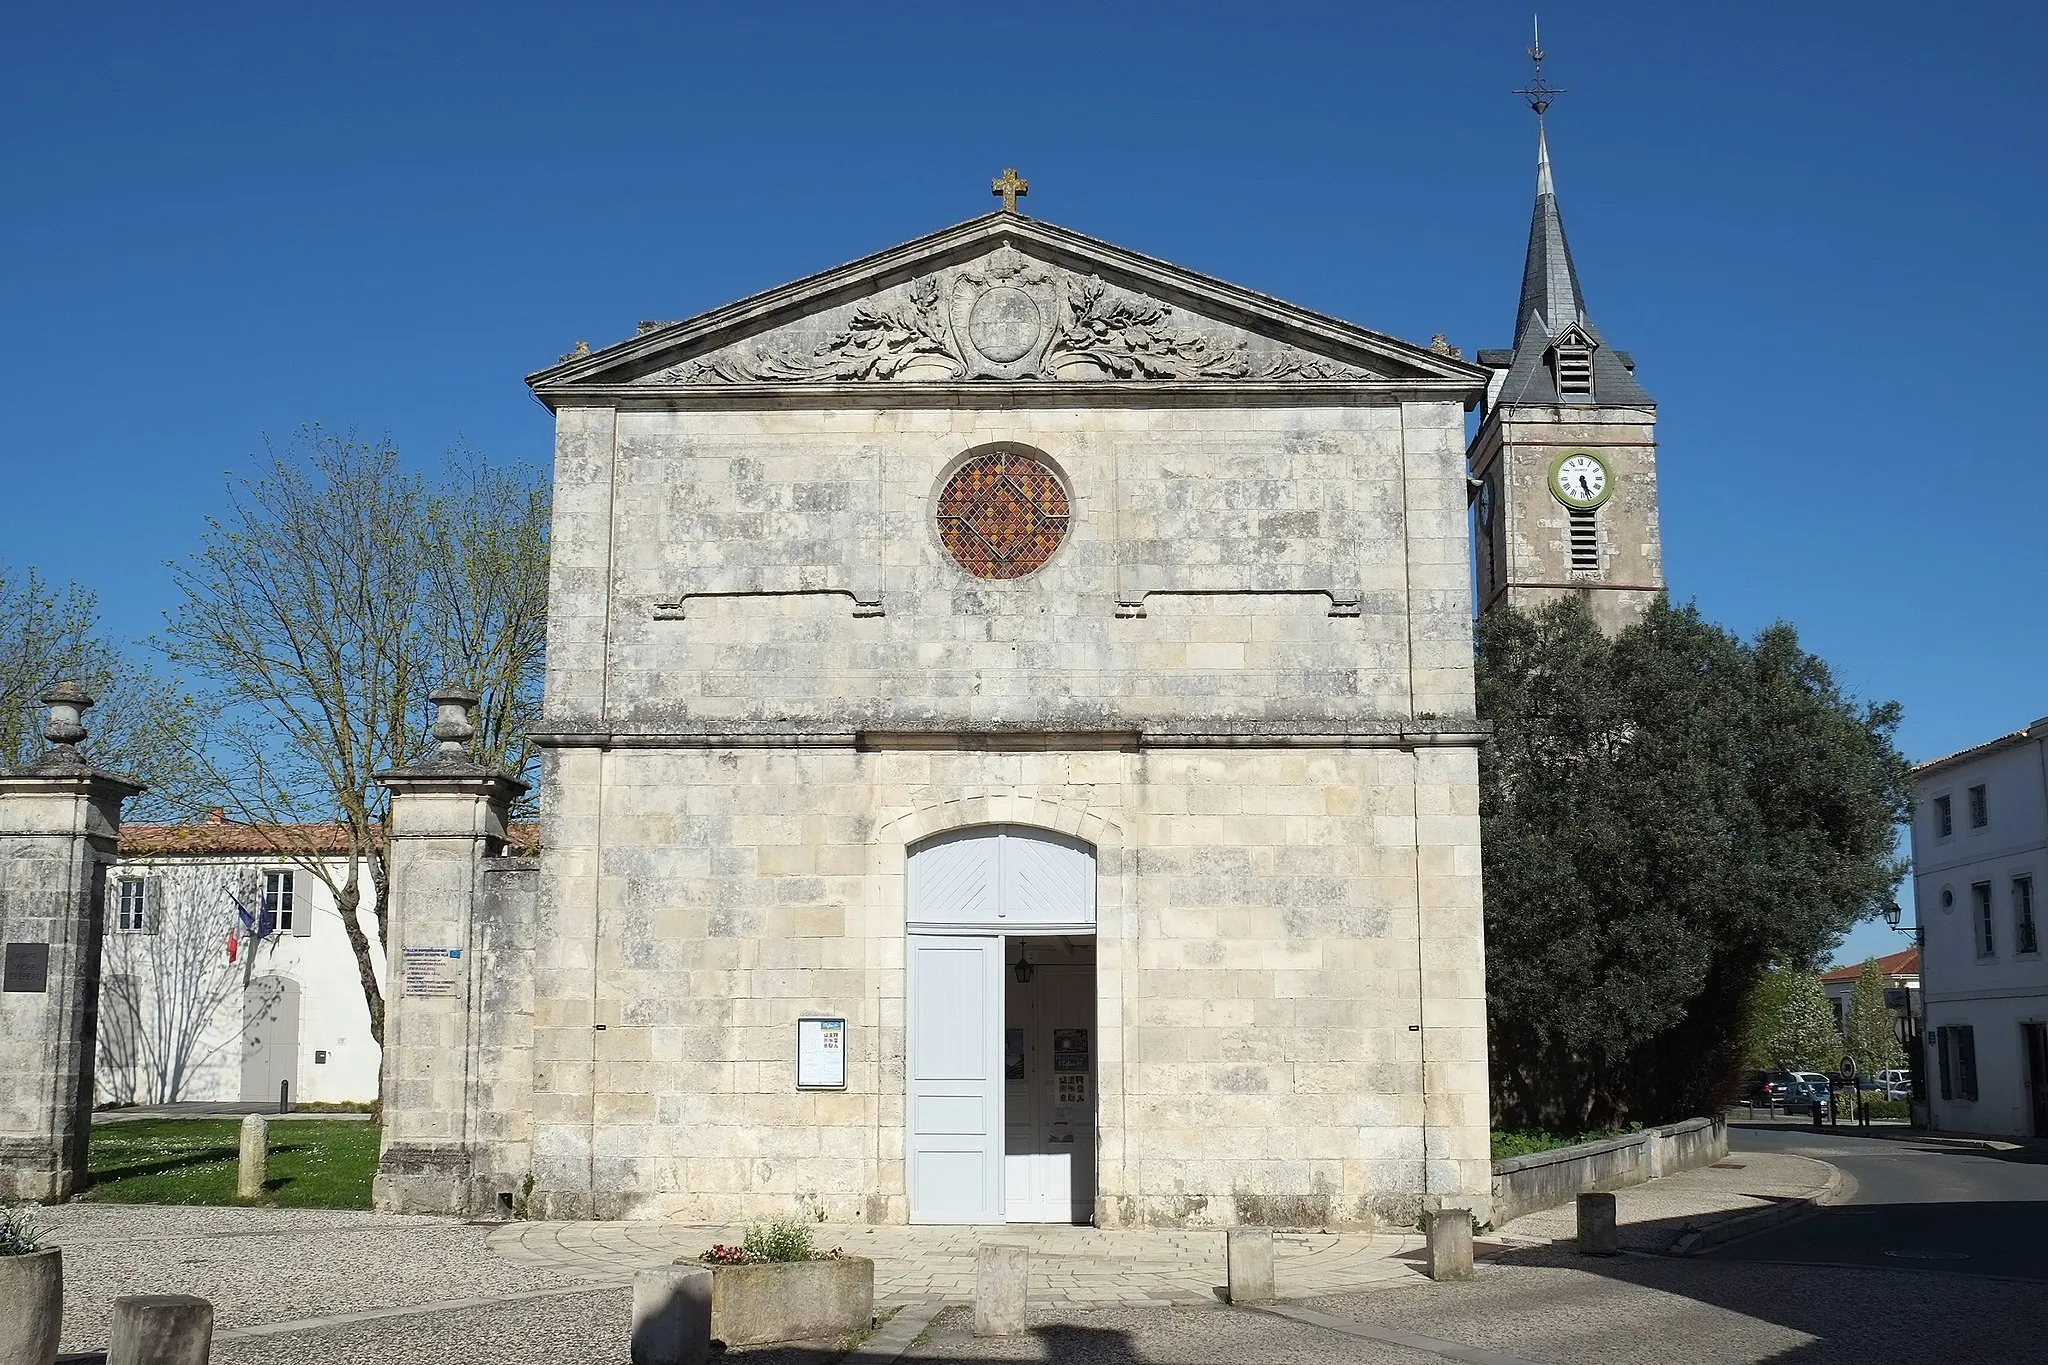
x,y
1001,1063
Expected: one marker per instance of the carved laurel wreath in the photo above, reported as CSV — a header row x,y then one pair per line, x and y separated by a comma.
x,y
1123,335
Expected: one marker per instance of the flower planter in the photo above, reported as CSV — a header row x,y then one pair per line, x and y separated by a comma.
x,y
788,1300
31,1306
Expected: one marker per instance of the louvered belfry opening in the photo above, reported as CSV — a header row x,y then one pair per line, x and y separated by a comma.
x,y
1585,540
1574,370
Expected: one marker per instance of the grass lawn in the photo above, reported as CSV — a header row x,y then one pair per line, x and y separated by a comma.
x,y
314,1163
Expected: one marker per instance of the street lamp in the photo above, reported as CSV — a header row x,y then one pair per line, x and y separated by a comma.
x,y
1893,914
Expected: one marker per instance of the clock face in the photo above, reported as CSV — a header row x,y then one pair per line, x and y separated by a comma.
x,y
1580,479
1486,504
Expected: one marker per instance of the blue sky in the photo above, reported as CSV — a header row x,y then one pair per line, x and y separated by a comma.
x,y
1817,228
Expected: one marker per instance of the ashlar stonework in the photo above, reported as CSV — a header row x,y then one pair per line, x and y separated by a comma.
x,y
1146,881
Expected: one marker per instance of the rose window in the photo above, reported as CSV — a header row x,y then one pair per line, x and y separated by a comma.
x,y
1002,515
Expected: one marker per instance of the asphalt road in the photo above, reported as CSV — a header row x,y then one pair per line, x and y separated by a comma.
x,y
1917,1205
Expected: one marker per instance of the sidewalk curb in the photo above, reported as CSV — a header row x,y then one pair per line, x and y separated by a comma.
x,y
1698,1240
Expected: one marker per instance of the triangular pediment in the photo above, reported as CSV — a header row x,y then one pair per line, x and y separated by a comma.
x,y
1004,300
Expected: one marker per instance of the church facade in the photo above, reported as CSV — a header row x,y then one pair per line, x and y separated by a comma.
x,y
1010,755
1041,675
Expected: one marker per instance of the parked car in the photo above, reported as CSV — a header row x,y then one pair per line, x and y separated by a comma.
x,y
1782,1089
1819,1089
1896,1083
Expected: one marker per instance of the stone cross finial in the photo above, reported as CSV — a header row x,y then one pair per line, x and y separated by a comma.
x,y
1010,189
68,703
451,723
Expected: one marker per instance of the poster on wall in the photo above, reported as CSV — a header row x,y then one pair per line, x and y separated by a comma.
x,y
821,1054
1070,1049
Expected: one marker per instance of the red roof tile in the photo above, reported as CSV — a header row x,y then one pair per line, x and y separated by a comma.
x,y
1905,963
217,836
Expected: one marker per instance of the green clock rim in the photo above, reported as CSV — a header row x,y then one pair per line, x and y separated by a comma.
x,y
1583,504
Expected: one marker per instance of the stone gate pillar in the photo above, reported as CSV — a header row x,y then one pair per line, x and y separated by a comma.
x,y
60,819
448,813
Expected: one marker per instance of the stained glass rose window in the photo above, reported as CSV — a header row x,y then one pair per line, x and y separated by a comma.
x,y
1003,514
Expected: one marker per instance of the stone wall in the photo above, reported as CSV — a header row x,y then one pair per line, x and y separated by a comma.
x,y
781,571
1546,1180
1259,983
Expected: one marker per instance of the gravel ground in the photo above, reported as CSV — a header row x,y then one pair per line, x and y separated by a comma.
x,y
1159,1336
1552,1305
273,1265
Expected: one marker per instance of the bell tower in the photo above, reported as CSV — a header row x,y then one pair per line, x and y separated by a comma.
x,y
1564,466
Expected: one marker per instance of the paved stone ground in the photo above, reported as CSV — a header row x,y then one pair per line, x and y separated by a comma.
x,y
1076,1267
319,1286
273,1265
1652,1217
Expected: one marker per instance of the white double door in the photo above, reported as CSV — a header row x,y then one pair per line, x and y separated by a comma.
x,y
1002,1080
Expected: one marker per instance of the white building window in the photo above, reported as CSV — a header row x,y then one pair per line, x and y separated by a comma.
x,y
2024,937
1980,901
131,910
1980,808
278,908
1944,817
1955,1054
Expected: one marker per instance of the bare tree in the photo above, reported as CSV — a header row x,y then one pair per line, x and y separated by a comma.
x,y
334,592
168,986
141,723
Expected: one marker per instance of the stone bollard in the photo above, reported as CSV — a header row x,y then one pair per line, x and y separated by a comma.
x,y
1598,1235
254,1167
672,1315
1248,1265
160,1329
1002,1279
1450,1244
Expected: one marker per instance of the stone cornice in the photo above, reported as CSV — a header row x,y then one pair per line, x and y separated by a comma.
x,y
1454,733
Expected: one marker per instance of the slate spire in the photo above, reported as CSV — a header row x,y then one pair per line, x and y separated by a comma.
x,y
1552,305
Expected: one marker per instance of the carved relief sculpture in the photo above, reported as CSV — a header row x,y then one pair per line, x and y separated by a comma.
x,y
1010,318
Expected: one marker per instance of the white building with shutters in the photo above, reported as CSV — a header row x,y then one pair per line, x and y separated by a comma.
x,y
1980,865
179,1021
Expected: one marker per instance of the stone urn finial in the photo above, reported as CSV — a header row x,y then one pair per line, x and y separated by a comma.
x,y
68,703
451,722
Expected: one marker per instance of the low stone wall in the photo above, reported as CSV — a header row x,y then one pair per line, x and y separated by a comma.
x,y
1544,1180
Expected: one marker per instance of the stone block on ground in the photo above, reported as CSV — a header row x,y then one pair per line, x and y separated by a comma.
x,y
1002,1281
1248,1265
31,1307
1450,1244
1598,1234
253,1167
160,1329
671,1315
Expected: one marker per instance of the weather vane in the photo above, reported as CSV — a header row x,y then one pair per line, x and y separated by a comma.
x,y
1539,92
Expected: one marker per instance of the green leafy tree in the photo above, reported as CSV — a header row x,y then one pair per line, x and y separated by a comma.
x,y
1867,1025
1791,1023
1666,813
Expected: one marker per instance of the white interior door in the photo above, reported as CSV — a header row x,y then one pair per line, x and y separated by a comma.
x,y
955,1065
1049,1097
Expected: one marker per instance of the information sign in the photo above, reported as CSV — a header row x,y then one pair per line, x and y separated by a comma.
x,y
433,973
821,1054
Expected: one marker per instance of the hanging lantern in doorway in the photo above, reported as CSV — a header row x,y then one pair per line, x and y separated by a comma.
x,y
1023,966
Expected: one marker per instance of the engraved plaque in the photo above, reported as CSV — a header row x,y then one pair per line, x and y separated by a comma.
x,y
27,969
